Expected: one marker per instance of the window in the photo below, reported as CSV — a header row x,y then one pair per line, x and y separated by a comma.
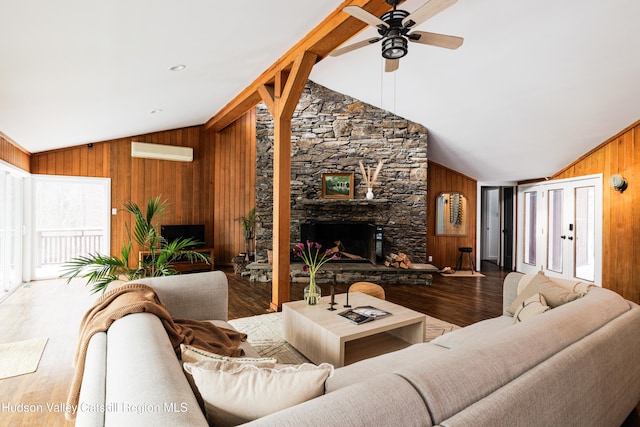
x,y
530,242
11,226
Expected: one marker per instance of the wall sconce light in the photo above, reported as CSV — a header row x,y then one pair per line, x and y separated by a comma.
x,y
618,182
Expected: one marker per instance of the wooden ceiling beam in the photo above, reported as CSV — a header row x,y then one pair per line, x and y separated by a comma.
x,y
333,31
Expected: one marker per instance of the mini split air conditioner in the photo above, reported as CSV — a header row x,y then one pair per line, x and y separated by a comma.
x,y
144,150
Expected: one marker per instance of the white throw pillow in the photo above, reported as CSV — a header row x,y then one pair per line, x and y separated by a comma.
x,y
194,354
555,295
237,394
530,307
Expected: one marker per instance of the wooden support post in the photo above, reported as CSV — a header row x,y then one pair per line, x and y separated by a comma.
x,y
281,99
280,290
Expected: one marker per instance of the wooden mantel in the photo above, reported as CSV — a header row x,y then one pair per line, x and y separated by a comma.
x,y
280,87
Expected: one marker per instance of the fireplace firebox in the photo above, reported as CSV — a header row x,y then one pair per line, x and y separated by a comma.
x,y
357,241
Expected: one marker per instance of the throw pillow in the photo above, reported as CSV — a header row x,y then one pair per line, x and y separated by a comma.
x,y
234,395
531,307
195,354
555,295
581,288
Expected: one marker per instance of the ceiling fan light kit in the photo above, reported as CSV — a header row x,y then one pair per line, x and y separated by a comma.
x,y
394,47
394,26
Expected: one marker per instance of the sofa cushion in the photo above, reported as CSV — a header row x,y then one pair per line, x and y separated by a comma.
x,y
567,389
530,307
193,354
555,295
250,392
475,332
381,400
385,363
471,372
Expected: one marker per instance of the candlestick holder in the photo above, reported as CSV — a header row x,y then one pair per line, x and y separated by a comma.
x,y
346,305
333,298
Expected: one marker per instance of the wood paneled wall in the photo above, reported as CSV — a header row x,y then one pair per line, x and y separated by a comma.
x,y
215,189
11,153
187,186
235,184
444,249
621,211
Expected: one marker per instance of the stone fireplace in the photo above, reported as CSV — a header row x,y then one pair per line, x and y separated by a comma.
x,y
356,241
332,132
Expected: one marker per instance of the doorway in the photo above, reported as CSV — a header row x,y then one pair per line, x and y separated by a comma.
x,y
71,219
490,220
497,231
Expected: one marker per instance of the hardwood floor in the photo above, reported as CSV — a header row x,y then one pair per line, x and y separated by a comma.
x,y
54,309
49,309
457,300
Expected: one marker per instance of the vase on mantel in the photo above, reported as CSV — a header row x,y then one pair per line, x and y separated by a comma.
x,y
369,193
312,292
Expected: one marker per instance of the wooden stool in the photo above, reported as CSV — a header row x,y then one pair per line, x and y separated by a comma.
x,y
468,252
368,288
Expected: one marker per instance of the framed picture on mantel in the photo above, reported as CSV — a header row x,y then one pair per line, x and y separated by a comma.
x,y
337,185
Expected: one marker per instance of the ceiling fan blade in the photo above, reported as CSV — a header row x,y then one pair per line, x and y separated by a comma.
x,y
426,11
354,46
435,39
390,65
364,16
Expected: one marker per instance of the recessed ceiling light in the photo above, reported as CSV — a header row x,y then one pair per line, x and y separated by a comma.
x,y
178,67
159,110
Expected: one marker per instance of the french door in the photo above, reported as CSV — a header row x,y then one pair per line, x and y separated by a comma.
x,y
560,228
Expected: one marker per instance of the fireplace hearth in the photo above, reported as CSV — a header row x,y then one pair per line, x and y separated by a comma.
x,y
357,241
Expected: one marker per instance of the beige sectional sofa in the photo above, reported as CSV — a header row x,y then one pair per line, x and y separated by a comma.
x,y
577,364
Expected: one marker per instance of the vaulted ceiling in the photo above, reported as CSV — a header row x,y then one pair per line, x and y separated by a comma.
x,y
534,86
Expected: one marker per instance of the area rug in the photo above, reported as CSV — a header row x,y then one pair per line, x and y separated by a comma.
x,y
21,357
264,333
463,273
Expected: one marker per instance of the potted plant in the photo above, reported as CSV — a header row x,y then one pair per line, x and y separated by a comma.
x,y
101,270
249,226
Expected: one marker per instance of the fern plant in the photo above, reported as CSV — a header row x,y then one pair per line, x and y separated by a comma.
x,y
101,270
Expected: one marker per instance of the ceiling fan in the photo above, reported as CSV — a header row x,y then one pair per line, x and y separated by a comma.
x,y
394,27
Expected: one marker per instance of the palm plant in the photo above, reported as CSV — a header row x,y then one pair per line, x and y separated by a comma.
x,y
101,270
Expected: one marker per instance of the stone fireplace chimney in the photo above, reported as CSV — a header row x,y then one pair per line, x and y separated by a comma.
x,y
332,132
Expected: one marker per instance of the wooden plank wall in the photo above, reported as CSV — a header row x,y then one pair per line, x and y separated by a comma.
x,y
444,249
187,186
11,153
621,211
235,184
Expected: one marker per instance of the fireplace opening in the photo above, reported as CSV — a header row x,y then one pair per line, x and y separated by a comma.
x,y
357,241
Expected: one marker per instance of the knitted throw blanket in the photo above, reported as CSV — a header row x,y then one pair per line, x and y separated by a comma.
x,y
138,298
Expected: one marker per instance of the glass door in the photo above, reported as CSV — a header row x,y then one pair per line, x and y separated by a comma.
x,y
71,218
562,235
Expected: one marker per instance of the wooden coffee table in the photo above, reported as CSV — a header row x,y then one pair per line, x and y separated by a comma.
x,y
323,336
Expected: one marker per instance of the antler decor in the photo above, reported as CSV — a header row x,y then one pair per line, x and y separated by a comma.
x,y
366,174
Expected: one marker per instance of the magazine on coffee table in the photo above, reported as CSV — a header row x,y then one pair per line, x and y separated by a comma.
x,y
364,314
